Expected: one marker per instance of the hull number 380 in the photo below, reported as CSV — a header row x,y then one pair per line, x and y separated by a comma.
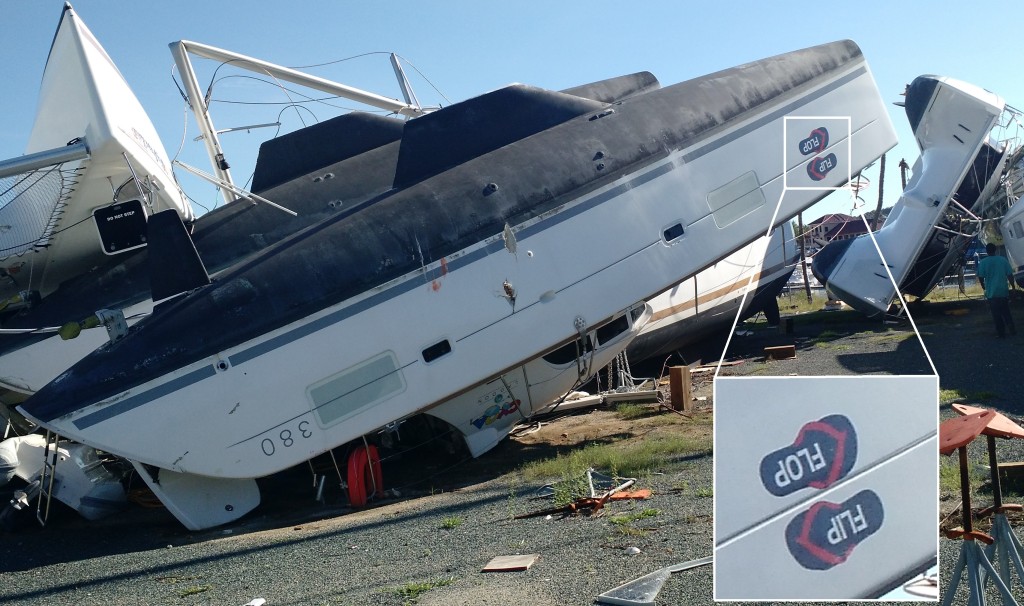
x,y
285,438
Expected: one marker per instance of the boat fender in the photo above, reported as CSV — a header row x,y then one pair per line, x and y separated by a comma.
x,y
8,460
364,468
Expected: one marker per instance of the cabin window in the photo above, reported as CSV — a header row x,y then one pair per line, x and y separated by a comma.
x,y
673,232
609,331
1018,230
568,353
355,389
735,199
436,350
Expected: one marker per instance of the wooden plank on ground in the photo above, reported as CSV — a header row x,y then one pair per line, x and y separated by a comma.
x,y
511,563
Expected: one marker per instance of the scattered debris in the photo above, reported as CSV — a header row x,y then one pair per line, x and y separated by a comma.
x,y
585,505
642,591
636,494
632,551
597,483
601,487
512,563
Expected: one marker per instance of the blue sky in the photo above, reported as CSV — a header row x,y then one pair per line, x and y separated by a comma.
x,y
464,48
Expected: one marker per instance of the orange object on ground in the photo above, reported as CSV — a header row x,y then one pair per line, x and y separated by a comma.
x,y
364,470
1000,426
635,494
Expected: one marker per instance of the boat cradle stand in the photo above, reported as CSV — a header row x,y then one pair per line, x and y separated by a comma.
x,y
954,436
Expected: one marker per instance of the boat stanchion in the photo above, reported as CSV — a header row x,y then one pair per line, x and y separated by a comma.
x,y
1005,549
954,436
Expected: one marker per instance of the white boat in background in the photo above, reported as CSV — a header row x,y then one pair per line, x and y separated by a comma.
x,y
931,225
1011,226
94,169
487,413
710,300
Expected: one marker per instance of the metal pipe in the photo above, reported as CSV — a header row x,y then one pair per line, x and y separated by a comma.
x,y
297,77
50,157
195,99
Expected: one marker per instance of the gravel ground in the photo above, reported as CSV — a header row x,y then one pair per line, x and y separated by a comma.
x,y
365,557
295,551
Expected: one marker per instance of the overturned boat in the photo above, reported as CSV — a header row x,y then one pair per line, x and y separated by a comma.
x,y
515,223
935,219
93,170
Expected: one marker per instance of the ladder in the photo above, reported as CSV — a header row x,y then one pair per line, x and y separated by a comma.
x,y
46,477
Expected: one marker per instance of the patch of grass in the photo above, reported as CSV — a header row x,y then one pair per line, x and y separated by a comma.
x,y
889,336
572,483
955,395
707,492
633,517
949,475
512,490
630,410
411,592
796,302
452,522
195,590
949,395
831,345
629,460
952,293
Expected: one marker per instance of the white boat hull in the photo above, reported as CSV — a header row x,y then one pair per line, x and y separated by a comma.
x,y
295,391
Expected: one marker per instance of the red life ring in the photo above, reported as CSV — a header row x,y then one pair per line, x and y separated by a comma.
x,y
364,470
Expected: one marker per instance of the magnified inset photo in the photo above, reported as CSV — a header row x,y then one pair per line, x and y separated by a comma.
x,y
825,487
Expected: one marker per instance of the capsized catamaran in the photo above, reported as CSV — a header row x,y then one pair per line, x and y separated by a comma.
x,y
930,226
516,221
94,169
710,300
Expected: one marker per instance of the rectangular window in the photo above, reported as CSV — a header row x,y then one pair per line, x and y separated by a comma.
x,y
353,390
735,199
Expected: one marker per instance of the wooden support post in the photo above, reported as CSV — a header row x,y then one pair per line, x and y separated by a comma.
x,y
680,388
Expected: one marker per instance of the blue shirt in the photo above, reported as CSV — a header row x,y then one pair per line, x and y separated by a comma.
x,y
994,271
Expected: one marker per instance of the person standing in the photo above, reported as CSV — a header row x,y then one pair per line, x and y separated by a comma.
x,y
996,276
